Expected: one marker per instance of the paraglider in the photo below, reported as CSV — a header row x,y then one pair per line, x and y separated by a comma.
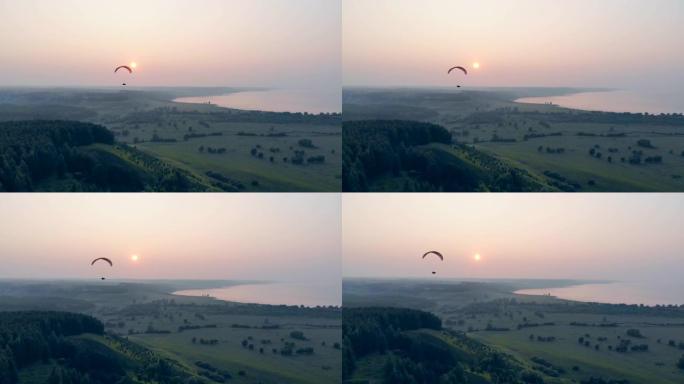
x,y
457,67
126,67
441,257
105,260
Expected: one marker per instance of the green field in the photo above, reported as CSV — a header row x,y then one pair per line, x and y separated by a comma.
x,y
147,314
532,327
226,149
238,163
267,366
569,149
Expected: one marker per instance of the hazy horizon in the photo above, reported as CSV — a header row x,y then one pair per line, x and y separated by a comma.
x,y
175,236
233,43
617,44
618,237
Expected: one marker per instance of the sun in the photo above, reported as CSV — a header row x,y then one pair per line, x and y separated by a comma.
x,y
134,64
476,65
134,258
477,257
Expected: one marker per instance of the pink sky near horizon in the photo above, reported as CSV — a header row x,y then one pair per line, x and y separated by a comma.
x,y
175,42
576,236
583,43
282,237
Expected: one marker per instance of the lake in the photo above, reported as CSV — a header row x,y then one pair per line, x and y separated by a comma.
x,y
651,293
275,293
275,100
617,101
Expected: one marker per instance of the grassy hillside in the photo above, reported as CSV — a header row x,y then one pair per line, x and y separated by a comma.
x,y
407,156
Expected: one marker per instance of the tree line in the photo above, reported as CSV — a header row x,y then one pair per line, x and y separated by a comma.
x,y
156,115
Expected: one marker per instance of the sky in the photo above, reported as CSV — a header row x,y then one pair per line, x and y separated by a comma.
x,y
626,237
263,43
279,237
628,44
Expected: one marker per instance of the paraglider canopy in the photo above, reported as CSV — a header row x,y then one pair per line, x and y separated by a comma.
x,y
126,67
103,259
457,67
435,253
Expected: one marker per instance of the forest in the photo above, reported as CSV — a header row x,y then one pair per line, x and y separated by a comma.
x,y
28,337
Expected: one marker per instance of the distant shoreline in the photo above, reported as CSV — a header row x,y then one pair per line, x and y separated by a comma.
x,y
187,291
269,293
274,100
609,101
530,282
516,92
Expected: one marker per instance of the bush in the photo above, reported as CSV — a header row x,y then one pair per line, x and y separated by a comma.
x,y
634,333
305,351
298,335
306,143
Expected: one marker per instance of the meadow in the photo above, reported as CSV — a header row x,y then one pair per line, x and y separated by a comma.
x,y
225,149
